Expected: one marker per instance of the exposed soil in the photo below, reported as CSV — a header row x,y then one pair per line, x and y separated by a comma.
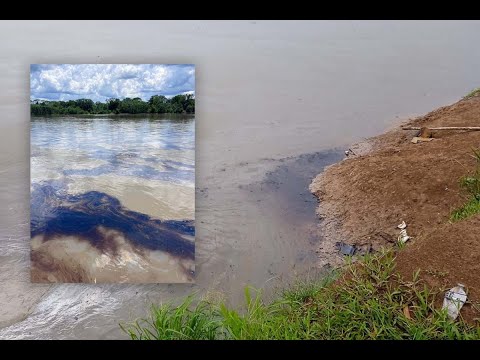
x,y
389,180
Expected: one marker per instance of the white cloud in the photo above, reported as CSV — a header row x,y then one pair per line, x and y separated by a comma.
x,y
102,81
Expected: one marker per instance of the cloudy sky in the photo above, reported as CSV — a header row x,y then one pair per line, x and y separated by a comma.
x,y
103,81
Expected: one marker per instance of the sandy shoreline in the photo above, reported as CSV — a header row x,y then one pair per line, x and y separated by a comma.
x,y
364,197
330,211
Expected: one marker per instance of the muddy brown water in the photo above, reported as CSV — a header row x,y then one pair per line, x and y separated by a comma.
x,y
272,98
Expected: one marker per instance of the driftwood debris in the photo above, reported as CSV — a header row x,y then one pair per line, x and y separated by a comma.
x,y
425,133
471,128
418,139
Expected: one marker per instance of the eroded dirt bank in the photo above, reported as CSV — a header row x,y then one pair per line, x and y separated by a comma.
x,y
364,197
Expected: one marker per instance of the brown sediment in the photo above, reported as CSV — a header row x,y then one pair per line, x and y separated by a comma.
x,y
73,259
46,269
389,180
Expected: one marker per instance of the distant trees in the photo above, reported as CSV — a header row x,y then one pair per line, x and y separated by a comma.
x,y
85,104
181,103
100,108
113,105
158,104
133,106
40,109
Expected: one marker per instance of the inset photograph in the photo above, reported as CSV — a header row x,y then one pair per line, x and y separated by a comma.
x,y
112,175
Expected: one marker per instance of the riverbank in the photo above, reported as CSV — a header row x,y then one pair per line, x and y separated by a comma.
x,y
388,180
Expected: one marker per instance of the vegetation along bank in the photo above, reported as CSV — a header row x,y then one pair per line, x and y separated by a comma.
x,y
157,104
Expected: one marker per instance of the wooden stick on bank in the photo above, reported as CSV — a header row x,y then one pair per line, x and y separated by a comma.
x,y
472,128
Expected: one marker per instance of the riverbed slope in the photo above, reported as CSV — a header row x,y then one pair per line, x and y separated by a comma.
x,y
363,198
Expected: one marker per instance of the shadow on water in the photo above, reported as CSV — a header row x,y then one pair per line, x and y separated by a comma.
x,y
55,213
283,197
289,183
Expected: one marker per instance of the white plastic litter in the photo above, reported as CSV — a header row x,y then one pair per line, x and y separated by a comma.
x,y
348,152
454,300
403,237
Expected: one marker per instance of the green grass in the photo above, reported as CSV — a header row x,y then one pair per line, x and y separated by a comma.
x,y
471,185
470,208
367,300
177,323
472,93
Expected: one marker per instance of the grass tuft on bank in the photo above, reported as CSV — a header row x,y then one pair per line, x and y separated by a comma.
x,y
470,208
366,300
472,93
471,185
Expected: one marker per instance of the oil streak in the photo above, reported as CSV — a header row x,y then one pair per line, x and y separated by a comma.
x,y
55,213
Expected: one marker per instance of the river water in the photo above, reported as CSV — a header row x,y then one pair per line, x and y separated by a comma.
x,y
113,198
272,98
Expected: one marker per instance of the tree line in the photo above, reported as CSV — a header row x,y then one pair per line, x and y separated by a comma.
x,y
158,104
